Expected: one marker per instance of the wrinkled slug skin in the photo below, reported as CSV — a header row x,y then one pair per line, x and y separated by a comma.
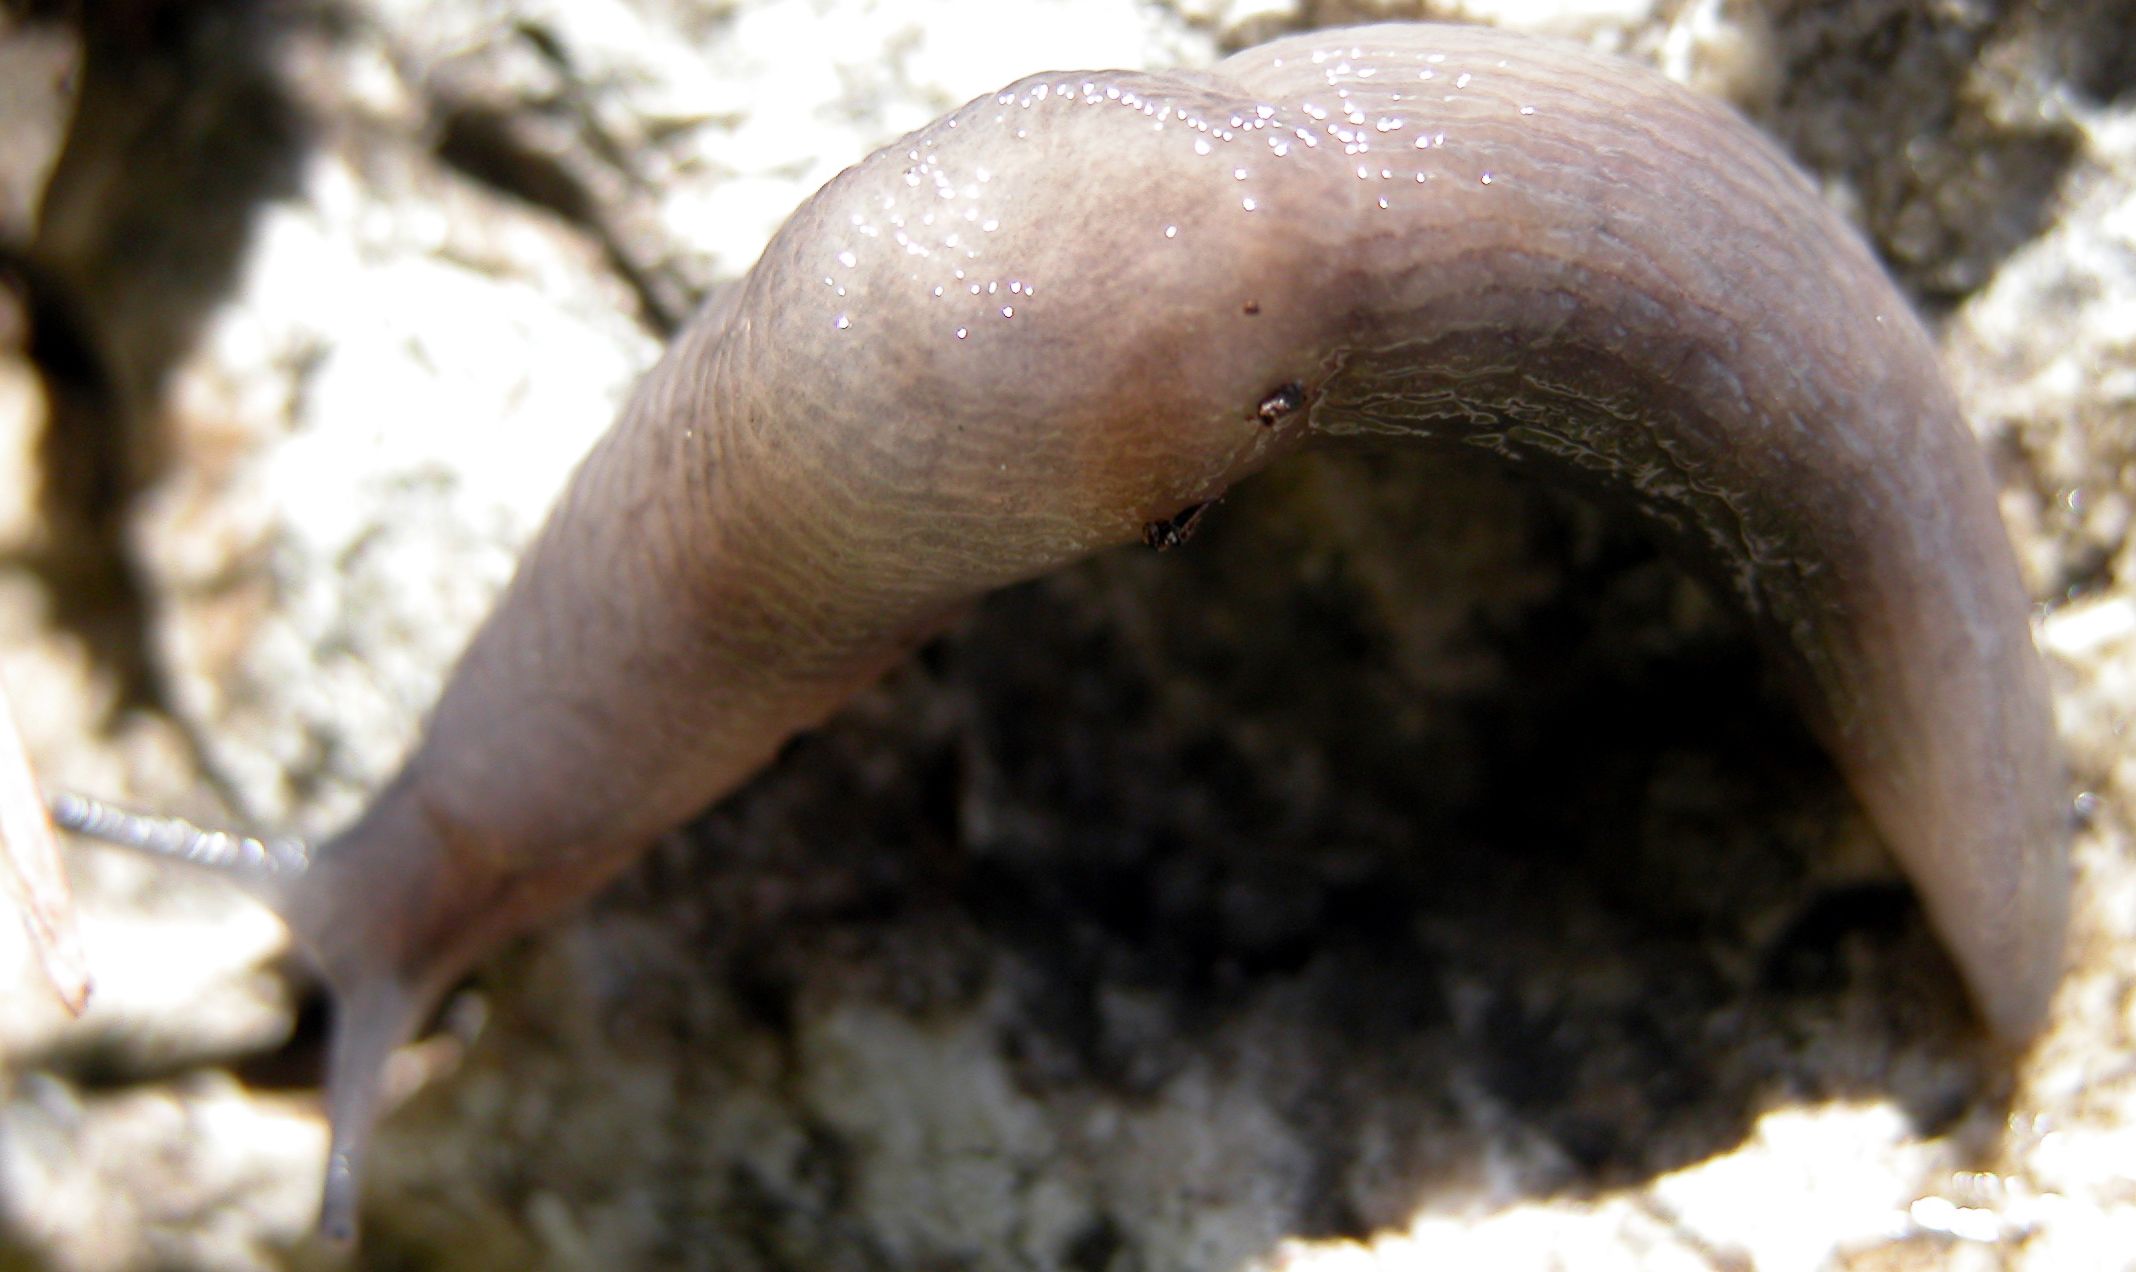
x,y
1020,334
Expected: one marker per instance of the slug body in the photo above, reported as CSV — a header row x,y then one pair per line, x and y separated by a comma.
x,y
1082,307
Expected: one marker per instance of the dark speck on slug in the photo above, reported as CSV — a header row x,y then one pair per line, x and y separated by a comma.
x,y
1279,404
1172,531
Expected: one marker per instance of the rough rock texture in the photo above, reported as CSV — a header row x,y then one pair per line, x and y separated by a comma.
x,y
1413,871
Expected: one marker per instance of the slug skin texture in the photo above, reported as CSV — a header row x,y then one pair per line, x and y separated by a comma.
x,y
1087,304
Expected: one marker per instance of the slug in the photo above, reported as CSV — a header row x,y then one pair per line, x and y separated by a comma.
x,y
1072,314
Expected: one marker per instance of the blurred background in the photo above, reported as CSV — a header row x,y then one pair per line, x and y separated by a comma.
x,y
1413,871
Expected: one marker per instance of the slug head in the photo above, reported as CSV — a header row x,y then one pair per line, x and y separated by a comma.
x,y
392,911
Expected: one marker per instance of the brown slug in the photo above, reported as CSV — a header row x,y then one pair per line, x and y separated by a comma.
x,y
1070,315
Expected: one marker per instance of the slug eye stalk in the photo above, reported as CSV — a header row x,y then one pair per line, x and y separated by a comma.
x,y
263,864
373,1012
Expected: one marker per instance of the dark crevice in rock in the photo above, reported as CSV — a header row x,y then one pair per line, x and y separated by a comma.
x,y
1884,95
86,565
181,133
506,150
481,143
2095,43
1209,824
1099,1246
